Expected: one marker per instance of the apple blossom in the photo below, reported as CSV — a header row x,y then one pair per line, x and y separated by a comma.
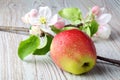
x,y
43,18
104,29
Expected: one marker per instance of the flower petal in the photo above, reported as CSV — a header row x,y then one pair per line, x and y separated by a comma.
x,y
53,20
33,13
47,29
45,12
104,18
26,18
34,21
102,10
104,31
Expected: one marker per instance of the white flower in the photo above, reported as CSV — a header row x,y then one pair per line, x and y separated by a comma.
x,y
104,29
103,18
42,18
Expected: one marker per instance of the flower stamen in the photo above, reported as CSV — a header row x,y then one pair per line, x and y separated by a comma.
x,y
43,20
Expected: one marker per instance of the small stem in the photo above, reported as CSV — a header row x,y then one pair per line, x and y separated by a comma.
x,y
81,24
109,60
69,25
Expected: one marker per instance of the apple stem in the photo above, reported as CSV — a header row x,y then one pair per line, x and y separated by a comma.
x,y
109,60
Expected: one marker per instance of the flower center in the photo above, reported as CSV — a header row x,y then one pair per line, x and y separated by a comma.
x,y
43,20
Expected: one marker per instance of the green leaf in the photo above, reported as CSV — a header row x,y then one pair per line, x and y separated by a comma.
x,y
45,48
28,46
55,30
87,31
76,22
30,27
72,14
93,27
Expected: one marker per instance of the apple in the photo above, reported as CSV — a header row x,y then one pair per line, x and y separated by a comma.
x,y
73,51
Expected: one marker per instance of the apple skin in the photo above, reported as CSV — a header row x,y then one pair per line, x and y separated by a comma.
x,y
73,51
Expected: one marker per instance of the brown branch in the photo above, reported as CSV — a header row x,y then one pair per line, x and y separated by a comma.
x,y
20,30
109,60
10,28
17,30
23,30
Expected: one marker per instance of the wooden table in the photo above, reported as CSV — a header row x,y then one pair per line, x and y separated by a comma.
x,y
42,67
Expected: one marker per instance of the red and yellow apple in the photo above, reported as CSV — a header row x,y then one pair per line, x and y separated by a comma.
x,y
73,51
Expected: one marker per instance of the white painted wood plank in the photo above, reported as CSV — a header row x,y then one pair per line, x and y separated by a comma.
x,y
42,67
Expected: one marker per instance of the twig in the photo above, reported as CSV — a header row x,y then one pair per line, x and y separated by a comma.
x,y
109,60
77,26
10,28
23,30
20,30
17,30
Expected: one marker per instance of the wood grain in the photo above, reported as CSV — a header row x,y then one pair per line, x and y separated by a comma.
x,y
42,67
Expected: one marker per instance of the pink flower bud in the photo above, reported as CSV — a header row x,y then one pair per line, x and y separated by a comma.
x,y
33,13
96,10
59,25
